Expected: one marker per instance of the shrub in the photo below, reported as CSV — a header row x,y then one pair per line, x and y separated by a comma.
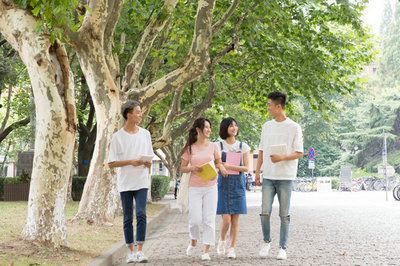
x,y
15,180
159,186
78,182
335,182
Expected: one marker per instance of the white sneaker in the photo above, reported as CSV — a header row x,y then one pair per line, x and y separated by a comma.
x,y
140,257
131,257
264,250
189,250
205,256
231,253
282,254
221,247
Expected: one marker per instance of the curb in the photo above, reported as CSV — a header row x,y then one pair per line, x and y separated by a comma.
x,y
118,250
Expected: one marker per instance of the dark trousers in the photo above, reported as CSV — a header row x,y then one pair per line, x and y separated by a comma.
x,y
140,197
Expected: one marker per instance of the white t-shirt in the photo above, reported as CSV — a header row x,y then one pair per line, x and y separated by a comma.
x,y
277,133
235,147
125,146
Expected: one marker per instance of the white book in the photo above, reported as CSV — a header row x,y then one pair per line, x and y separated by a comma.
x,y
146,158
280,149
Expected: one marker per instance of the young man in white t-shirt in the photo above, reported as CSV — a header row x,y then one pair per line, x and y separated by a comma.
x,y
127,146
281,145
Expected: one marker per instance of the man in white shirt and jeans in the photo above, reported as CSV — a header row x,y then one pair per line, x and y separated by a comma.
x,y
127,146
279,170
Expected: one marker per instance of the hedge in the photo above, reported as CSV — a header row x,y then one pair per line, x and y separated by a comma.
x,y
159,186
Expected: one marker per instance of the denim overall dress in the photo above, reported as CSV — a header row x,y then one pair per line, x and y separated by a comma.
x,y
231,191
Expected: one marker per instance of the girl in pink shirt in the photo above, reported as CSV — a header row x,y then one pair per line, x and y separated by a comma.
x,y
203,195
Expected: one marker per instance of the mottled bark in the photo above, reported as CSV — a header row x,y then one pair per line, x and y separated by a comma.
x,y
52,84
99,198
93,44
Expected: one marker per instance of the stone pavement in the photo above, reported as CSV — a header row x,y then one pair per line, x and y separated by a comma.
x,y
337,228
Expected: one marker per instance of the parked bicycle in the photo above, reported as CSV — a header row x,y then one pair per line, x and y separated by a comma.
x,y
396,192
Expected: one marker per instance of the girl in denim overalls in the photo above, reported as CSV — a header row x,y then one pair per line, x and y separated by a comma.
x,y
231,189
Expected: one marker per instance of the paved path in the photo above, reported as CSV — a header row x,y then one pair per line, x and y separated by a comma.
x,y
338,228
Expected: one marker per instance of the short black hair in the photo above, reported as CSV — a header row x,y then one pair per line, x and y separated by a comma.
x,y
223,128
128,107
278,98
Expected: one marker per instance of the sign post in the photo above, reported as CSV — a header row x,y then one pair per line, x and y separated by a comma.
x,y
311,163
384,160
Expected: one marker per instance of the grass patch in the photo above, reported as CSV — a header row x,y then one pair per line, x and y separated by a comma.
x,y
85,242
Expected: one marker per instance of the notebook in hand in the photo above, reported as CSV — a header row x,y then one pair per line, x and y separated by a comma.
x,y
208,171
279,149
233,158
146,158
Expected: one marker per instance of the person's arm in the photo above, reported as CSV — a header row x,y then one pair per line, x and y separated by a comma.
x,y
221,167
258,167
275,158
133,162
189,169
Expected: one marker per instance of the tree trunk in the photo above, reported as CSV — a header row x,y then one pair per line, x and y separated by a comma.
x,y
100,199
52,83
85,151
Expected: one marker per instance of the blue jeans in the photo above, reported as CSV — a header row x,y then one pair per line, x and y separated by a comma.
x,y
283,188
140,197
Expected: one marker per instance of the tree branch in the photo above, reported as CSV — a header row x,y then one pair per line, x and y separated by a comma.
x,y
155,65
175,109
3,125
15,125
217,26
111,57
195,64
133,69
199,109
246,79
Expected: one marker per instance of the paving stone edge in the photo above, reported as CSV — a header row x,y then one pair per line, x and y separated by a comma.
x,y
117,251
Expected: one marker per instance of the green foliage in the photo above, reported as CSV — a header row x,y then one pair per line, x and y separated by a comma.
x,y
312,49
249,122
388,71
335,182
13,73
159,186
17,180
78,183
54,15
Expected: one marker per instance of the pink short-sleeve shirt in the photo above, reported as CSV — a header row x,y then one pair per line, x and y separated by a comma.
x,y
201,156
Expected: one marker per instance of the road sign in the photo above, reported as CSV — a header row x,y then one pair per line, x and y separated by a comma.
x,y
389,170
311,164
311,153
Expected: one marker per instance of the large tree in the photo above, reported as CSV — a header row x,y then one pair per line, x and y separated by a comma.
x,y
52,85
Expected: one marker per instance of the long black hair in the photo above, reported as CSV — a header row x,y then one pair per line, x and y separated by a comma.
x,y
192,138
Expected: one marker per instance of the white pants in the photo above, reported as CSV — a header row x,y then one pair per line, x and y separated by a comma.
x,y
202,211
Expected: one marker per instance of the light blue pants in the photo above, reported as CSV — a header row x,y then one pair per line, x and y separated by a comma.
x,y
283,188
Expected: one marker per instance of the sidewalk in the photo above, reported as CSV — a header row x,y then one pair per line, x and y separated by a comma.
x,y
338,228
